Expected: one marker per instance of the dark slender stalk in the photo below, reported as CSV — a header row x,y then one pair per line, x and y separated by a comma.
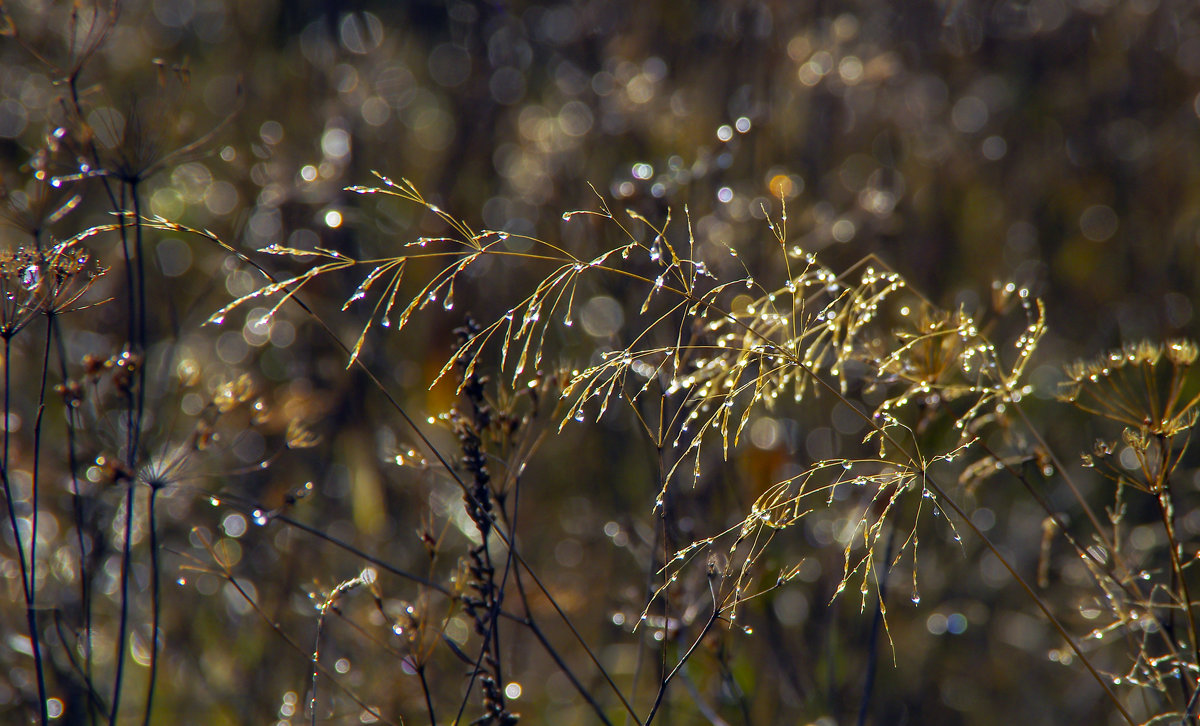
x,y
534,628
95,700
85,598
123,624
1041,604
425,692
36,479
155,603
662,689
382,564
27,590
1162,499
131,438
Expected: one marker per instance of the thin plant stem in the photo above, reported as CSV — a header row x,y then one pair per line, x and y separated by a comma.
x,y
662,689
78,515
5,474
425,692
130,452
155,602
35,479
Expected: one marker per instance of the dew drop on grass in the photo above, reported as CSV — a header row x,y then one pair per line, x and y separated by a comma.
x,y
916,598
259,516
30,277
579,415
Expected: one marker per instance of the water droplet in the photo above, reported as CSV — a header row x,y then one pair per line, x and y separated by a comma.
x,y
260,517
31,276
567,321
579,415
916,598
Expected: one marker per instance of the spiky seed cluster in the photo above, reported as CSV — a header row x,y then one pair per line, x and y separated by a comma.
x,y
1144,385
41,281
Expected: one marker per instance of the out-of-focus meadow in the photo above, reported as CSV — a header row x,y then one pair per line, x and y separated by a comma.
x,y
186,450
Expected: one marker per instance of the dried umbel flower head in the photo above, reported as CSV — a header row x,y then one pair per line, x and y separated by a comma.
x,y
37,281
1146,386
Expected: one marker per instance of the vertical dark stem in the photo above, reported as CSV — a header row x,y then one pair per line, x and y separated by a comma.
x,y
123,627
140,396
140,314
133,422
1178,584
85,600
428,697
5,471
155,589
37,450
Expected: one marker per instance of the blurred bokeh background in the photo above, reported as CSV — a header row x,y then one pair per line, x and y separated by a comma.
x,y
1054,143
